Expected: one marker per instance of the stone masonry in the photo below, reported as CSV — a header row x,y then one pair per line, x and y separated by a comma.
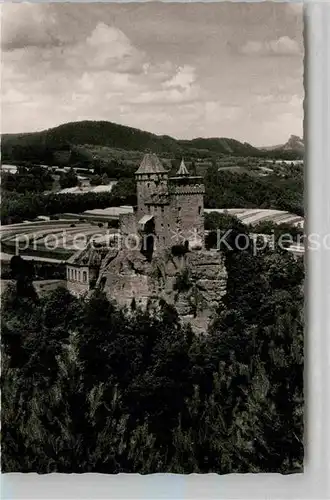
x,y
161,252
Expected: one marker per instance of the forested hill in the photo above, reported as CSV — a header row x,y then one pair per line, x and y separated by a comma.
x,y
42,145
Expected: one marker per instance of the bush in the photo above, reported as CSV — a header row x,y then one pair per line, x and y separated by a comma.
x,y
182,281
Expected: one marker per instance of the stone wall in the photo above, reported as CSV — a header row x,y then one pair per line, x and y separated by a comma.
x,y
128,276
187,208
187,216
148,187
194,283
127,224
81,279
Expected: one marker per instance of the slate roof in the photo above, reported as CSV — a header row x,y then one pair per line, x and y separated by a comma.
x,y
145,219
150,165
89,256
183,169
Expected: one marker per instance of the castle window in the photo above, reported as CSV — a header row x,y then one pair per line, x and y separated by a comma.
x,y
84,276
199,210
78,275
75,274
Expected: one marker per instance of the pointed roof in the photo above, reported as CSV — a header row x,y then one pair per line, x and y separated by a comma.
x,y
183,169
89,256
150,165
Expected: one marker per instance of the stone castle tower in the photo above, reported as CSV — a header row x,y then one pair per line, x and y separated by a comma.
x,y
170,211
186,195
171,208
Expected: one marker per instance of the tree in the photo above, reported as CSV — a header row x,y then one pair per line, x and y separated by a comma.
x,y
68,179
135,391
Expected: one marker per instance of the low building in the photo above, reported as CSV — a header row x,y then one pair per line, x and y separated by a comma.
x,y
83,268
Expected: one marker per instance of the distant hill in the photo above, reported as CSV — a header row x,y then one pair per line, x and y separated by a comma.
x,y
46,145
294,145
222,146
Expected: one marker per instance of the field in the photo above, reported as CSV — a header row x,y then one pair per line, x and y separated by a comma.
x,y
255,215
47,240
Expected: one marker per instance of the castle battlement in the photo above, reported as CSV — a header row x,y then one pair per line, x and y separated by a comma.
x,y
188,189
175,204
139,265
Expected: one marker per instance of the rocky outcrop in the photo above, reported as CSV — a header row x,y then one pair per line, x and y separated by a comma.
x,y
194,282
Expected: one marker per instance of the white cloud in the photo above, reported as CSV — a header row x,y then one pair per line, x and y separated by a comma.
x,y
283,46
106,48
12,96
184,78
26,24
65,62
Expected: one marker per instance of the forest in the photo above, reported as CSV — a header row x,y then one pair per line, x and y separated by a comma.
x,y
26,194
17,207
50,146
88,387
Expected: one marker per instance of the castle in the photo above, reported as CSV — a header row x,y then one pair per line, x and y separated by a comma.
x,y
169,209
160,239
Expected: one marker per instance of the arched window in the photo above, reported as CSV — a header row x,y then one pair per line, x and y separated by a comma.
x,y
75,274
84,276
78,275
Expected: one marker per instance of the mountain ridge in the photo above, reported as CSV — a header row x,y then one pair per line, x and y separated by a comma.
x,y
113,135
294,143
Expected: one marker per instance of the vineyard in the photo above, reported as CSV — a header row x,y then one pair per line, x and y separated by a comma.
x,y
48,240
255,216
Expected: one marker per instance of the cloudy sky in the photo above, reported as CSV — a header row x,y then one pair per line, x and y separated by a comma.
x,y
186,70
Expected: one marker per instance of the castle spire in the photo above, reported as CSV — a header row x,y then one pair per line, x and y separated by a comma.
x,y
183,169
150,165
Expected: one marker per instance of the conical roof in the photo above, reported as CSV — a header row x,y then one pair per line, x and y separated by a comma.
x,y
150,165
183,169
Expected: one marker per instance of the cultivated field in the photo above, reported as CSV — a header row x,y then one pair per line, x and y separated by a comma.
x,y
48,240
255,215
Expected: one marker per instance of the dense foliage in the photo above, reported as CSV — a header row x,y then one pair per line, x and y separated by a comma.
x,y
90,388
239,190
19,207
68,179
34,179
217,224
53,145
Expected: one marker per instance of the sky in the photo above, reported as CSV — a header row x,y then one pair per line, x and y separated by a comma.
x,y
185,70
